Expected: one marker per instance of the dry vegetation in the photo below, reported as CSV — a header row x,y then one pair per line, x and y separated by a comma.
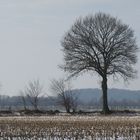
x,y
70,128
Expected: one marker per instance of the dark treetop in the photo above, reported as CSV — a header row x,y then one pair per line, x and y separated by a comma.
x,y
100,43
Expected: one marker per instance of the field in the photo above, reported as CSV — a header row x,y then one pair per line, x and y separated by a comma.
x,y
70,128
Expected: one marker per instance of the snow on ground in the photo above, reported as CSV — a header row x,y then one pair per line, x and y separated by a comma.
x,y
72,127
72,118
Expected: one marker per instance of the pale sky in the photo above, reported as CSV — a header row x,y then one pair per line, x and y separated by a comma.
x,y
30,35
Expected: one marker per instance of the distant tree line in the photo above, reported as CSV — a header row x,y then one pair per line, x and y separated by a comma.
x,y
53,103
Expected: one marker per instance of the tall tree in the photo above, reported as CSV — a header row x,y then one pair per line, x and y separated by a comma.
x,y
102,44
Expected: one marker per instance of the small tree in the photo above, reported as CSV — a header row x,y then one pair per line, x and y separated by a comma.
x,y
32,92
101,44
66,97
23,99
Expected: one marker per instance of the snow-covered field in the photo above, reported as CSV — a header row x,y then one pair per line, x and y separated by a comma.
x,y
67,127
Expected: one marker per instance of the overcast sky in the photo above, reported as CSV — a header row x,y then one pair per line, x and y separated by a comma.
x,y
30,35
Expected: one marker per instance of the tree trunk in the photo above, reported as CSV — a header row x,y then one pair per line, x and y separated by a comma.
x,y
105,108
35,107
67,109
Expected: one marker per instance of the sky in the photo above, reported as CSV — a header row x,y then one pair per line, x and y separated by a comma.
x,y
30,36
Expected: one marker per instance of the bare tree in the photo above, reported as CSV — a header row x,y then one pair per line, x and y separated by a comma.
x,y
23,99
32,92
101,44
66,97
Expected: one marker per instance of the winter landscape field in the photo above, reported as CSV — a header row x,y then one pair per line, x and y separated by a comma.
x,y
69,70
68,127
